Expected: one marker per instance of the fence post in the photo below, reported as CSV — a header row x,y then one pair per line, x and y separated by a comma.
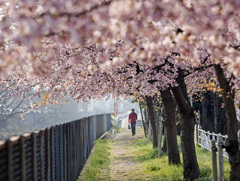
x,y
81,145
65,150
208,140
52,154
61,151
34,157
68,153
220,159
42,158
94,127
47,144
9,160
22,157
199,136
214,160
57,161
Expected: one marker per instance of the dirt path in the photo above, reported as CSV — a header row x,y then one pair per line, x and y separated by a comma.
x,y
121,164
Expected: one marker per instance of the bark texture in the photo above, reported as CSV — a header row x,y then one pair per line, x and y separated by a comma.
x,y
190,165
170,127
143,122
233,148
152,118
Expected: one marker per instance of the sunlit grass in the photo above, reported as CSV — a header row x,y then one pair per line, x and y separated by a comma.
x,y
148,166
159,169
99,162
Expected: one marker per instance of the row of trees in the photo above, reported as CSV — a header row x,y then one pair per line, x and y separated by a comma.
x,y
91,49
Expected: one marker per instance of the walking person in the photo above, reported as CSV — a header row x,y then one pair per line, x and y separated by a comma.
x,y
132,118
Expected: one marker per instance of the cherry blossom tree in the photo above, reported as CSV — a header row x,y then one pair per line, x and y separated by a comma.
x,y
90,49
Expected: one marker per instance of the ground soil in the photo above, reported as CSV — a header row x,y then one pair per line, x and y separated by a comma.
x,y
121,160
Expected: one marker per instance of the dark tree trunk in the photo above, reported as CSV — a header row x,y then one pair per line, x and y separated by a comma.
x,y
143,122
215,112
232,149
152,118
146,118
203,120
190,165
170,127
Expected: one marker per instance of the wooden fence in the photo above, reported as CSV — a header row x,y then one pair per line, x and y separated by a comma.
x,y
55,153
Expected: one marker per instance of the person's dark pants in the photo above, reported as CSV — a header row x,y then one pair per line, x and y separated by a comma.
x,y
133,126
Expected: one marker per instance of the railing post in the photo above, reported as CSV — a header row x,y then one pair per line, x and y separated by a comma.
x,y
42,158
61,151
22,157
57,161
68,153
34,156
220,159
9,160
47,143
94,128
72,150
65,150
214,160
52,154
196,133
81,146
208,140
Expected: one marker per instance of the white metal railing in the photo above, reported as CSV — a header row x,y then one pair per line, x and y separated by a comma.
x,y
203,138
209,141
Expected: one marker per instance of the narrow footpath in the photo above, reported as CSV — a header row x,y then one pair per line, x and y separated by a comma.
x,y
122,166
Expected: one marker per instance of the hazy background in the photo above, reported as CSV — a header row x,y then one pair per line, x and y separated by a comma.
x,y
12,124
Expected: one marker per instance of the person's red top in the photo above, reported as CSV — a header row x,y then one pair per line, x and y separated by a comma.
x,y
132,118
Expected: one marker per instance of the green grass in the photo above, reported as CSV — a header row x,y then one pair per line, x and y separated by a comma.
x,y
99,162
205,164
149,166
158,168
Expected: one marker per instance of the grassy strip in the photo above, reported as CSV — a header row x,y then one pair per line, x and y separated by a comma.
x,y
99,162
158,169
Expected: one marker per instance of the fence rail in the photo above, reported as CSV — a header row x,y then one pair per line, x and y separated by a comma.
x,y
204,139
55,153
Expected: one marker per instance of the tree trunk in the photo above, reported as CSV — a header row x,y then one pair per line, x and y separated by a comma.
x,y
203,115
152,118
160,137
170,127
215,112
164,148
232,149
190,165
143,122
146,120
